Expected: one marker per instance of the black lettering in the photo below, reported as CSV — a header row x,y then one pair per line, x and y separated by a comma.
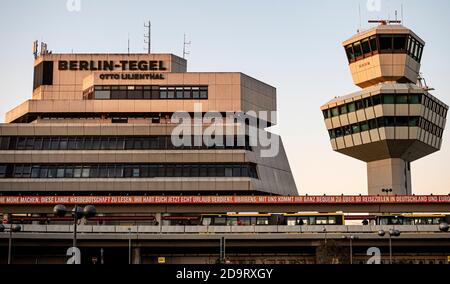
x,y
108,65
133,65
124,64
153,65
84,65
62,65
73,65
92,66
161,65
143,65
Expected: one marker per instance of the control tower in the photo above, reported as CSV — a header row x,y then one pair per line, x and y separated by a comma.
x,y
393,120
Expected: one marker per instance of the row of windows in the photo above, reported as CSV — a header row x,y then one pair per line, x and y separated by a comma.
x,y
384,43
146,92
126,170
386,121
385,99
114,143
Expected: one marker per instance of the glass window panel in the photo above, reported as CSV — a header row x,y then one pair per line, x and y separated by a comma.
x,y
43,172
77,172
351,107
385,42
343,109
364,126
359,104
355,128
413,121
69,172
195,92
163,92
373,44
357,49
179,93
171,93
388,99
236,171
203,92
367,102
401,99
34,172
376,100
187,93
334,111
86,171
350,54
366,47
400,42
102,95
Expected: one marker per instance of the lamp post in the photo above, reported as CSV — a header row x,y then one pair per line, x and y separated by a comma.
x,y
78,213
391,232
351,238
129,245
12,228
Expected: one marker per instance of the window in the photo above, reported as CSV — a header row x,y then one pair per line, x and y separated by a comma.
x,y
171,93
355,128
400,42
366,47
373,44
358,50
163,92
351,107
102,95
376,100
402,121
413,121
334,111
359,104
203,92
187,93
388,99
364,126
196,92
326,113
401,99
367,102
385,43
2,171
414,98
350,54
179,93
343,109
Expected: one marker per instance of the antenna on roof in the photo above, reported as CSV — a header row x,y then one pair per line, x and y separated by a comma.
x,y
359,14
385,22
148,36
185,43
35,48
128,43
401,14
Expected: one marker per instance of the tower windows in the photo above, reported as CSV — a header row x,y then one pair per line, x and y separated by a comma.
x,y
384,43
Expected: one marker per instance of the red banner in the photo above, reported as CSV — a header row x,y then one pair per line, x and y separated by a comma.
x,y
341,199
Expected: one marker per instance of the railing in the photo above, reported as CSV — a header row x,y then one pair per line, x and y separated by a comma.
x,y
340,229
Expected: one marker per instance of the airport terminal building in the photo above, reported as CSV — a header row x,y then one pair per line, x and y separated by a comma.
x,y
101,124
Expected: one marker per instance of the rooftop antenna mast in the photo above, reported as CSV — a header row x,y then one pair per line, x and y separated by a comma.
x,y
185,43
148,36
359,14
401,14
128,43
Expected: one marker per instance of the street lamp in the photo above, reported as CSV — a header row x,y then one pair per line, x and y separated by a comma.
x,y
12,228
351,238
78,213
391,232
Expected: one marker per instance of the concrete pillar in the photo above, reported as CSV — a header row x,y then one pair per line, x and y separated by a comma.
x,y
389,173
136,256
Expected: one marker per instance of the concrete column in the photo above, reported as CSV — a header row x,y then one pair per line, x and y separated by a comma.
x,y
136,256
389,173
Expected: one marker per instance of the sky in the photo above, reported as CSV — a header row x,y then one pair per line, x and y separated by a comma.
x,y
294,46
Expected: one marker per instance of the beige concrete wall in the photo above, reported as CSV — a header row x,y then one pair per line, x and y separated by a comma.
x,y
389,173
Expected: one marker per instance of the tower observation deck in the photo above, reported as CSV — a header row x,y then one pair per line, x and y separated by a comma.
x,y
394,119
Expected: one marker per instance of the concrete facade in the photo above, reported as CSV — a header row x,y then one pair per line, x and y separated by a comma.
x,y
66,104
394,119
